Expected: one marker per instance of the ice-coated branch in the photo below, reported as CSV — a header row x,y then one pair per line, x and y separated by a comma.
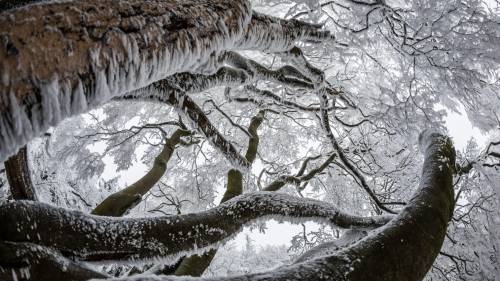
x,y
237,72
271,34
329,248
325,122
83,236
296,57
403,249
195,265
278,100
286,75
75,55
72,56
28,261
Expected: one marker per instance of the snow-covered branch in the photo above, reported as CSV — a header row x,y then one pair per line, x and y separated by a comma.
x,y
27,261
89,237
195,265
163,91
271,34
119,203
299,177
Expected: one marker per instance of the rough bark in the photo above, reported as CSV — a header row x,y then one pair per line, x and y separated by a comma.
x,y
19,177
59,58
119,203
403,249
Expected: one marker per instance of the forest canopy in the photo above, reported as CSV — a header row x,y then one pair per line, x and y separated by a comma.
x,y
139,138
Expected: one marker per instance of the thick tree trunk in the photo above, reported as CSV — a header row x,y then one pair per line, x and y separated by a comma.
x,y
73,55
19,177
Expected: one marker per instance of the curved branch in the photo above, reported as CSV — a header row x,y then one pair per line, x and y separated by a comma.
x,y
165,92
299,178
91,237
326,126
27,261
278,99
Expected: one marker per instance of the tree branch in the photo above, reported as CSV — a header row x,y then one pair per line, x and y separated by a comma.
x,y
299,178
27,261
90,237
76,64
135,44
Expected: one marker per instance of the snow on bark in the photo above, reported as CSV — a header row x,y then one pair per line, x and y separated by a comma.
x,y
271,34
60,58
89,237
403,249
329,248
35,262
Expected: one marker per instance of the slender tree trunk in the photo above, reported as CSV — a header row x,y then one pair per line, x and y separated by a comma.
x,y
117,204
195,265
